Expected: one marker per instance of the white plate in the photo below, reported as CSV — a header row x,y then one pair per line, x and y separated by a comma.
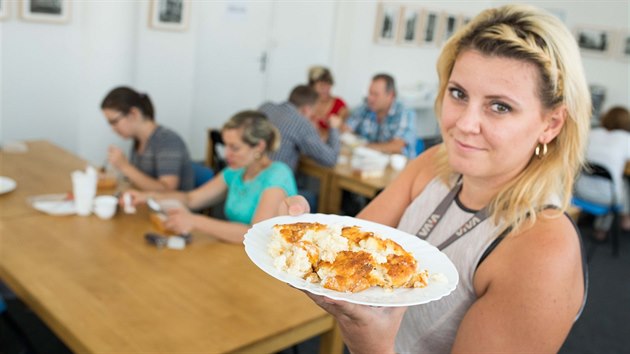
x,y
7,184
53,204
429,257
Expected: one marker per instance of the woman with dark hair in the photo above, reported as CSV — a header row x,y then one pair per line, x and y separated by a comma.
x,y
609,146
159,159
252,186
327,105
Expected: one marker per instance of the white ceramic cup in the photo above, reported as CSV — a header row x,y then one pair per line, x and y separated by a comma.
x,y
105,206
398,161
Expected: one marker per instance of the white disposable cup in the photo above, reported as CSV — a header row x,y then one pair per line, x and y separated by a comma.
x,y
84,190
398,161
105,206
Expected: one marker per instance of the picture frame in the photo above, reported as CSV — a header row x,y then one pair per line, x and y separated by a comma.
x,y
387,19
623,46
430,27
169,15
449,24
594,41
410,26
4,9
50,11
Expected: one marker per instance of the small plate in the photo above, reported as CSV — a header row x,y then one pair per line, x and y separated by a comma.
x,y
7,184
53,204
428,257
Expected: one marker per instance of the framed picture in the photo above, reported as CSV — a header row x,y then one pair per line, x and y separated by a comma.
x,y
430,27
53,11
449,24
623,49
386,29
594,41
170,15
4,9
409,33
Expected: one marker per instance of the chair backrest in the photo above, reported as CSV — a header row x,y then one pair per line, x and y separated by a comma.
x,y
215,151
596,170
600,175
202,173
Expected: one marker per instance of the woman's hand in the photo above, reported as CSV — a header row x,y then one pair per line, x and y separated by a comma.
x,y
135,197
180,220
116,157
365,329
294,206
335,121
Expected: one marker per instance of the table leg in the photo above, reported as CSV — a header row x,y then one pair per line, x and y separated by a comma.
x,y
331,341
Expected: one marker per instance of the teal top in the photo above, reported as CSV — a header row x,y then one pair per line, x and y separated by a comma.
x,y
243,196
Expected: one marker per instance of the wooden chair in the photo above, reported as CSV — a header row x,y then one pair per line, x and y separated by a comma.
x,y
215,156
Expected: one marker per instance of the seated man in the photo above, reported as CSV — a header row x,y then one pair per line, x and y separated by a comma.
x,y
299,136
383,121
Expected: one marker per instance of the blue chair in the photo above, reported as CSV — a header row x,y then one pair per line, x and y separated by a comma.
x,y
598,209
419,146
202,173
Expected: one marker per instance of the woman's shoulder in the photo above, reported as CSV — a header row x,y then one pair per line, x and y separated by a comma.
x,y
278,168
167,136
550,248
424,168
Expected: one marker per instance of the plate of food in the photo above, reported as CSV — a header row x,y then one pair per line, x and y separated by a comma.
x,y
7,184
351,259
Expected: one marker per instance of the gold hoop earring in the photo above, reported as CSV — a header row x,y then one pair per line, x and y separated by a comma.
x,y
540,153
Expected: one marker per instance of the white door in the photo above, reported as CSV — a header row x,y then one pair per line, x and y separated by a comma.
x,y
232,40
301,36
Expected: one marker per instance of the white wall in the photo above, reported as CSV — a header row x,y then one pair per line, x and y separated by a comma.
x,y
356,57
53,77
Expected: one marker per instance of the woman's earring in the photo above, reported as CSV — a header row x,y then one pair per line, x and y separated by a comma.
x,y
540,153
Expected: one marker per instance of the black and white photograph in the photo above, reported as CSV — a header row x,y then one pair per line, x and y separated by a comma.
x,y
624,46
55,11
4,9
450,23
169,14
387,17
594,41
409,26
430,27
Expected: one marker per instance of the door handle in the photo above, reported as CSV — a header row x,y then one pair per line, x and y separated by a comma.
x,y
263,62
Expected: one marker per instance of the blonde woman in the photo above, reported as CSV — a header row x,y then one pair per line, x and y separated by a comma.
x,y
514,110
252,185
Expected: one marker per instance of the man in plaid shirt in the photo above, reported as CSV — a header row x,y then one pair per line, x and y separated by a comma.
x,y
384,121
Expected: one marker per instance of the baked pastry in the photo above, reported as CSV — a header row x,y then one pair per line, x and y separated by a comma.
x,y
344,259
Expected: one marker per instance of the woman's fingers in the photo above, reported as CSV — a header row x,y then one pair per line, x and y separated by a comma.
x,y
296,205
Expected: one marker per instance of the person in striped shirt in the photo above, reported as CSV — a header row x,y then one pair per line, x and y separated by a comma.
x,y
299,136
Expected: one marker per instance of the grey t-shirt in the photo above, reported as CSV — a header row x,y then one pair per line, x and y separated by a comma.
x,y
165,154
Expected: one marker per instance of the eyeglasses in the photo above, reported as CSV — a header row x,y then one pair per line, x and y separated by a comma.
x,y
116,119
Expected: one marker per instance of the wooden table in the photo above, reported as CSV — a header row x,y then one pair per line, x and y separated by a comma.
x,y
342,177
44,169
101,288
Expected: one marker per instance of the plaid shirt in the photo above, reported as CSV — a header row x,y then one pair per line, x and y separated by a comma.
x,y
399,123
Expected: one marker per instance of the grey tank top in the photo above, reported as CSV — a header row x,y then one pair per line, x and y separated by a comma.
x,y
431,328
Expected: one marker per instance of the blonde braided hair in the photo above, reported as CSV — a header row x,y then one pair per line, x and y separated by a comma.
x,y
534,36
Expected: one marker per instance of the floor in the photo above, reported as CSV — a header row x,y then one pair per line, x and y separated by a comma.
x,y
604,326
